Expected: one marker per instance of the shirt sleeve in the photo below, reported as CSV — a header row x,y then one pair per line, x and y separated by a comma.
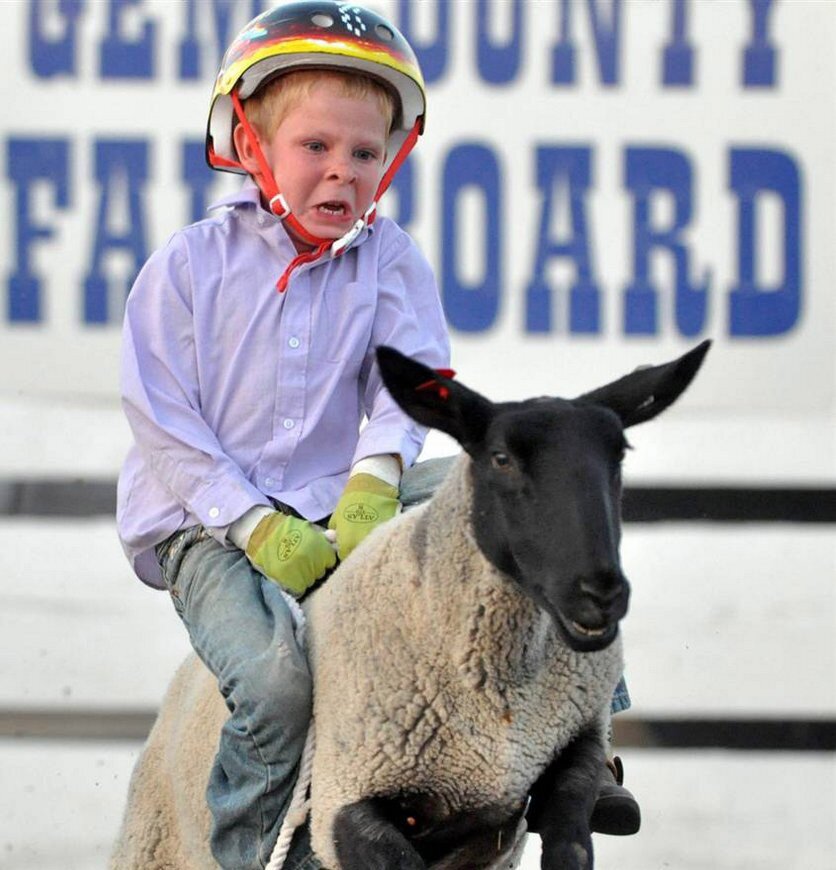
x,y
161,396
410,318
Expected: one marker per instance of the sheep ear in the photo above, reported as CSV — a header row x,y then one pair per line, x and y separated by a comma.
x,y
646,392
434,399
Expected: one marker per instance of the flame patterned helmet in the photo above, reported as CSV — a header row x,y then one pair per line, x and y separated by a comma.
x,y
314,34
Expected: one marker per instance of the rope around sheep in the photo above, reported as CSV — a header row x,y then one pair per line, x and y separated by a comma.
x,y
300,802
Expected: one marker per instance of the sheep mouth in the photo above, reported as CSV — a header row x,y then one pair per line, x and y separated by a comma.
x,y
578,635
586,638
585,631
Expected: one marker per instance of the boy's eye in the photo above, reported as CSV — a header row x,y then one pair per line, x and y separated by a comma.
x,y
314,146
364,154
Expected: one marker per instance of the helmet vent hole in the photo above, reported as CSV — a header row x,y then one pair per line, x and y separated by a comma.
x,y
384,32
322,19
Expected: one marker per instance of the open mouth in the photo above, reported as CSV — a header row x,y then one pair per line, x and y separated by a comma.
x,y
585,631
580,636
332,209
587,638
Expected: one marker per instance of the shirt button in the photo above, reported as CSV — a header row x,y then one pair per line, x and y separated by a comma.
x,y
214,513
288,424
261,220
294,342
268,481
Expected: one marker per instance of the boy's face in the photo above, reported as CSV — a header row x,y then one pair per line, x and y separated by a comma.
x,y
327,157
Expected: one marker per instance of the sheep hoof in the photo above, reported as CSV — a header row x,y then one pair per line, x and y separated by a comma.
x,y
568,856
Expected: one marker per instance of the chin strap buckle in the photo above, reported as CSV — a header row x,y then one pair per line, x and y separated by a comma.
x,y
344,242
279,202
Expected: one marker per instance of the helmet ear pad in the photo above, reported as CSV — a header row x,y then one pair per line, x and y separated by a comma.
x,y
220,148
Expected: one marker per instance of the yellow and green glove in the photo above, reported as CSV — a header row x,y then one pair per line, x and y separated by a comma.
x,y
366,502
292,552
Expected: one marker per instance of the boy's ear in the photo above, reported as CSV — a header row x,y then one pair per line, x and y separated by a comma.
x,y
246,152
435,400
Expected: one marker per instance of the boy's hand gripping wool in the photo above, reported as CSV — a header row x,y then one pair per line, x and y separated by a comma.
x,y
290,551
366,502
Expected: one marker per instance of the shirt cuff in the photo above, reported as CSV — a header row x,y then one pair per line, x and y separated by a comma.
x,y
377,440
239,532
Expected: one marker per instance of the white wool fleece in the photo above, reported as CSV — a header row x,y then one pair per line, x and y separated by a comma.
x,y
441,645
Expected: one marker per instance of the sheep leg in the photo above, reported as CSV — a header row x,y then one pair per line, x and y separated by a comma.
x,y
365,840
562,801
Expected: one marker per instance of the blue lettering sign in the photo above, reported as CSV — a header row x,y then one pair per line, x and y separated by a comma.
x,y
565,170
224,26
759,57
648,170
122,58
31,162
678,59
53,56
199,178
432,56
403,189
471,308
190,44
753,308
121,166
607,39
498,64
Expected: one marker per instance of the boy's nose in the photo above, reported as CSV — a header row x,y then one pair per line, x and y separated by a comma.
x,y
342,169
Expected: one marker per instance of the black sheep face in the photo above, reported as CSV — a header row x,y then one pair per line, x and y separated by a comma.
x,y
546,511
547,481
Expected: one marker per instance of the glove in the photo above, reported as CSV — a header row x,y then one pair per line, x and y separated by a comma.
x,y
366,502
290,551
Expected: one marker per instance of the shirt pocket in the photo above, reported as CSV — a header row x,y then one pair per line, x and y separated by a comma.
x,y
342,329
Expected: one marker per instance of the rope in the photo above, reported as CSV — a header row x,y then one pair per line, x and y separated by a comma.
x,y
300,803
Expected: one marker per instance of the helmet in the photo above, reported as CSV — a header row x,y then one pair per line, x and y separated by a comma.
x,y
314,34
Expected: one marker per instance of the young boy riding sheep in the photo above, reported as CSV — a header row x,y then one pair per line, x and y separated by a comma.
x,y
248,365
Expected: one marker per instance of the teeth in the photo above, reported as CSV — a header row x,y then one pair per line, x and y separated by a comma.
x,y
331,209
588,632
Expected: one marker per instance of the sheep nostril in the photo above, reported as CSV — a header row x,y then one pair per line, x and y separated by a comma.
x,y
602,592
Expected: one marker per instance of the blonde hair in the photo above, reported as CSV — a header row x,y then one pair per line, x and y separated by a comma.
x,y
269,105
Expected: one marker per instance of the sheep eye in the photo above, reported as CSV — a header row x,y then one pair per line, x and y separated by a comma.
x,y
501,461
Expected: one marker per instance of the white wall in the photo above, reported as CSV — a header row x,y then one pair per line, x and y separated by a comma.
x,y
726,621
764,406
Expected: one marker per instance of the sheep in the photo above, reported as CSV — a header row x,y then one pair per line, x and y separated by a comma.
x,y
464,656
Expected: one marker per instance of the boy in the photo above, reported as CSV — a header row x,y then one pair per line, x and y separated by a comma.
x,y
245,393
248,364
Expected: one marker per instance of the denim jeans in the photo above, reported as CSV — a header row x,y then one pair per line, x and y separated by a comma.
x,y
243,630
420,482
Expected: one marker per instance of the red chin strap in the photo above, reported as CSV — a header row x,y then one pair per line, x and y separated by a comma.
x,y
279,206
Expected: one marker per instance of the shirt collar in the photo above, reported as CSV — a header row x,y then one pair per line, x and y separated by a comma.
x,y
247,194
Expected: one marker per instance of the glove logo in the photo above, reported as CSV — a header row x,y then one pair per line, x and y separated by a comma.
x,y
288,545
360,513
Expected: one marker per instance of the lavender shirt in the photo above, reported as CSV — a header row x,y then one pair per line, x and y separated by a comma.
x,y
235,392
